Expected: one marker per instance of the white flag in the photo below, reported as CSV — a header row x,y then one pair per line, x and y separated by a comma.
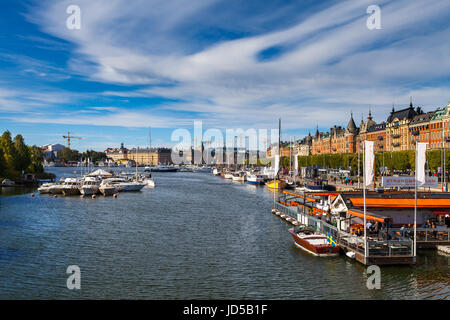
x,y
369,158
296,165
420,163
277,163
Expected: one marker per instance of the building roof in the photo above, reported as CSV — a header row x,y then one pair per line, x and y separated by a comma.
x,y
421,118
377,127
407,113
351,126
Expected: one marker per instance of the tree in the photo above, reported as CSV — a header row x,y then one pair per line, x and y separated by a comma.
x,y
37,156
23,159
69,155
2,163
9,155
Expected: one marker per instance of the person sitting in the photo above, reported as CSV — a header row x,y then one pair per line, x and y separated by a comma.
x,y
402,231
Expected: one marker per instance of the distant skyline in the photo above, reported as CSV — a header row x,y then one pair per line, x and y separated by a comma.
x,y
232,64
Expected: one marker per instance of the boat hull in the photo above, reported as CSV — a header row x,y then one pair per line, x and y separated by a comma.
x,y
55,190
255,182
130,187
278,184
89,191
107,191
318,251
70,191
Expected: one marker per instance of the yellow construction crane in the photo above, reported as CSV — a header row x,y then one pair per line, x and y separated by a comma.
x,y
68,137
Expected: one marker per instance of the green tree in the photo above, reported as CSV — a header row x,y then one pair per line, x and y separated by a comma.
x,y
23,159
2,164
37,156
69,155
10,156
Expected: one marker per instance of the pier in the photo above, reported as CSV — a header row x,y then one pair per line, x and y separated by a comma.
x,y
391,245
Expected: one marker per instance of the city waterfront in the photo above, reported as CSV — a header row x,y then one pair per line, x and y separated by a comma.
x,y
195,236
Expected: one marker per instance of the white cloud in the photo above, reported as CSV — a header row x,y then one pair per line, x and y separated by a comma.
x,y
333,62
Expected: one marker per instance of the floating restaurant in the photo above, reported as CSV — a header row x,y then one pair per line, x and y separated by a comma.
x,y
390,239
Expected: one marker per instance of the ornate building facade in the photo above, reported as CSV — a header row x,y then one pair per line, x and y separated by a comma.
x,y
402,129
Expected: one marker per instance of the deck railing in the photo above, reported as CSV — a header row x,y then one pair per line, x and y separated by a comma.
x,y
376,248
423,234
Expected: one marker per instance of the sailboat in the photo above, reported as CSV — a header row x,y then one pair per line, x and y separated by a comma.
x,y
277,184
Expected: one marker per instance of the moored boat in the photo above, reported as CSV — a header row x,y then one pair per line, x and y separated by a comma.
x,y
45,188
238,176
70,187
277,184
313,242
164,168
228,175
8,183
123,185
89,186
107,189
255,179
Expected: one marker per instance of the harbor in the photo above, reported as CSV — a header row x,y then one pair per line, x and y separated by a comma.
x,y
179,242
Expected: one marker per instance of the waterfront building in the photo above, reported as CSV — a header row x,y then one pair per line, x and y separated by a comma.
x,y
52,150
144,156
284,150
303,147
371,131
337,140
419,129
397,132
116,154
150,156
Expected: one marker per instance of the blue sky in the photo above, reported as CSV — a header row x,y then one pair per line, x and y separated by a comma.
x,y
232,64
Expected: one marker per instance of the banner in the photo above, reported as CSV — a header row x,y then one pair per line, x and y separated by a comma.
x,y
407,182
296,165
277,163
369,157
420,163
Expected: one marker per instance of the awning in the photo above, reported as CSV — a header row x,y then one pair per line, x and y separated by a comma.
x,y
437,213
368,216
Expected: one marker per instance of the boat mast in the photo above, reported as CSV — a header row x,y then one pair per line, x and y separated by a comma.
x,y
279,146
137,163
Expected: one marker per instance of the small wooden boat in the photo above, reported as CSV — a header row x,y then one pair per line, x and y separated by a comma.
x,y
313,242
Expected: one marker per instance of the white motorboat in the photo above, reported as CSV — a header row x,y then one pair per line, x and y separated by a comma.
x,y
45,188
8,183
216,172
123,185
239,176
70,187
228,175
164,168
89,186
150,183
107,189
56,188
255,179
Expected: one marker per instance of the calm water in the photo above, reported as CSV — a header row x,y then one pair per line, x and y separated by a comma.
x,y
195,236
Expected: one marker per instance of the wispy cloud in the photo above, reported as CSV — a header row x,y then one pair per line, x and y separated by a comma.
x,y
327,62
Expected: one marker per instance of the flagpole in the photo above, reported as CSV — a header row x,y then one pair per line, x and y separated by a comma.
x,y
364,192
415,205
